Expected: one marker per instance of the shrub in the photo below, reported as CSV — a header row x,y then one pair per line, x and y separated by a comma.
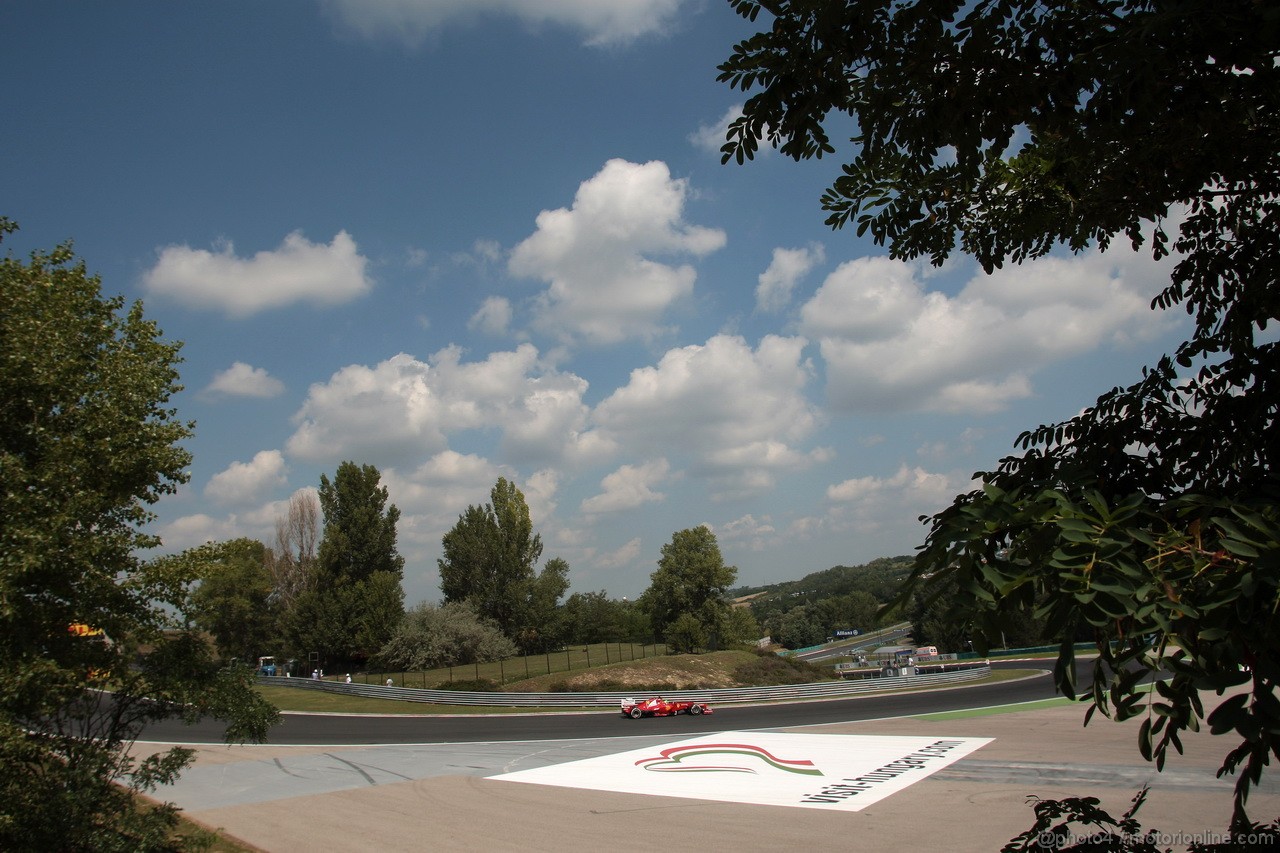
x,y
770,669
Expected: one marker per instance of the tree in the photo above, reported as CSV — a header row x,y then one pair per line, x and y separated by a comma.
x,y
740,627
359,527
940,620
319,624
489,560
940,617
292,563
858,609
356,601
686,635
375,606
799,629
692,579
232,601
295,578
451,634
88,441
466,570
543,629
1149,521
850,596
593,617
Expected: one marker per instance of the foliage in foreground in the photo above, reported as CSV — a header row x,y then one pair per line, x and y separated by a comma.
x,y
1151,521
87,441
1081,825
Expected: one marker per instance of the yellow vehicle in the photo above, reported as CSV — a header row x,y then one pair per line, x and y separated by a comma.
x,y
79,629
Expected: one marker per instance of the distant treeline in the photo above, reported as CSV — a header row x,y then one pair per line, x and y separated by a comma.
x,y
805,612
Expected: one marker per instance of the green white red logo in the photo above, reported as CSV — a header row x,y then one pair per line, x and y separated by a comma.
x,y
715,758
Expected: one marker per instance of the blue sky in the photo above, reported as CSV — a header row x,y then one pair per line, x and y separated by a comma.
x,y
464,239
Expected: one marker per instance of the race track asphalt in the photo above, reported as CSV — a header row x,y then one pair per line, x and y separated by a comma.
x,y
320,729
391,784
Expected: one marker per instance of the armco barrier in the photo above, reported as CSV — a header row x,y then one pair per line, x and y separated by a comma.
x,y
1025,650
820,690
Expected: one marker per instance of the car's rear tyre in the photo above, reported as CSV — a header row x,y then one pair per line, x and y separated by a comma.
x,y
636,713
696,710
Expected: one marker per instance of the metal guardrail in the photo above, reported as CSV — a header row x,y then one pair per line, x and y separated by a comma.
x,y
1025,650
819,690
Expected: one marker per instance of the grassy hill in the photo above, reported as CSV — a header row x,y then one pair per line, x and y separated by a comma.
x,y
838,597
660,673
881,577
679,672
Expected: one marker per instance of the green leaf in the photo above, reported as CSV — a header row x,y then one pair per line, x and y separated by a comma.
x,y
1077,525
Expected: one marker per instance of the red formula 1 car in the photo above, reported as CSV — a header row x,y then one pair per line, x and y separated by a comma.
x,y
659,707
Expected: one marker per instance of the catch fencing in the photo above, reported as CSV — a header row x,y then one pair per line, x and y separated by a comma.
x,y
818,690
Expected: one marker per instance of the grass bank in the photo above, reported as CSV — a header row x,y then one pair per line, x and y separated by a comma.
x,y
569,660
657,674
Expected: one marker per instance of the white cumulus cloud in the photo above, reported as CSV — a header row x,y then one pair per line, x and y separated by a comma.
x,y
493,317
433,495
247,482
890,344
754,533
872,503
739,413
599,257
244,380
910,483
298,271
402,410
710,137
190,531
775,284
622,556
602,22
629,487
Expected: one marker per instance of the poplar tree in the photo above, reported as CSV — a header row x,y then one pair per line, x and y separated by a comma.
x,y
490,561
355,599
